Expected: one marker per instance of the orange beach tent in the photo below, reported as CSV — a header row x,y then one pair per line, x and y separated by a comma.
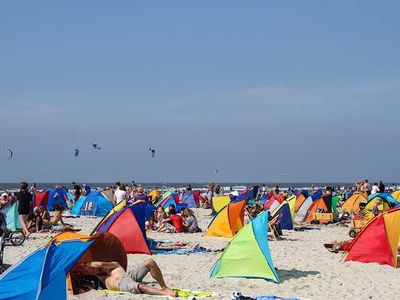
x,y
353,203
228,221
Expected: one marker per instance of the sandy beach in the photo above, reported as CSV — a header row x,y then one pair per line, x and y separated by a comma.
x,y
306,269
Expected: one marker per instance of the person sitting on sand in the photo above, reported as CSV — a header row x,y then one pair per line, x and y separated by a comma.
x,y
34,220
113,277
174,219
159,216
190,221
150,224
57,221
44,214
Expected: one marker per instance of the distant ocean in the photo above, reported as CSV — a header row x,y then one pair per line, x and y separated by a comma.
x,y
159,185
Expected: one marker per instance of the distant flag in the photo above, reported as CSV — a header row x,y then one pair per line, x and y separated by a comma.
x,y
76,154
153,152
95,146
10,152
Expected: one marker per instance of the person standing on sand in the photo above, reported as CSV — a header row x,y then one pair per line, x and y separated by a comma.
x,y
24,198
381,187
367,187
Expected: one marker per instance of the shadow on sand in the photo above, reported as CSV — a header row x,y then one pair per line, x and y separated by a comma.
x,y
293,273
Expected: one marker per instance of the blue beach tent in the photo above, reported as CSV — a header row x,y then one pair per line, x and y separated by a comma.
x,y
285,221
94,204
42,274
57,196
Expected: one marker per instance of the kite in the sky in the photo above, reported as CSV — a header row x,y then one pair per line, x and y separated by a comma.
x,y
153,152
10,152
76,154
283,174
95,146
216,171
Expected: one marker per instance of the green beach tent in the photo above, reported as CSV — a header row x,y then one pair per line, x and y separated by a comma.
x,y
335,201
247,255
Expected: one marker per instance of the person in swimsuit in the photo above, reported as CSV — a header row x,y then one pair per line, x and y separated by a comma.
x,y
114,277
24,206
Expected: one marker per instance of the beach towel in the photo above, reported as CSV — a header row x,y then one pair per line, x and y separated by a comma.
x,y
240,296
186,294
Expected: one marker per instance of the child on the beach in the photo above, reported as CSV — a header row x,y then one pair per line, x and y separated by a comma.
x,y
190,221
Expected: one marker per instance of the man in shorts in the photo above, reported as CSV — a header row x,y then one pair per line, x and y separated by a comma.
x,y
114,277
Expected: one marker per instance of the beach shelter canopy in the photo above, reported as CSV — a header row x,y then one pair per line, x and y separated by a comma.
x,y
353,203
41,199
109,194
42,274
128,224
386,201
228,221
170,200
50,198
10,212
154,195
248,255
219,202
396,195
318,205
94,204
286,219
188,199
299,201
378,241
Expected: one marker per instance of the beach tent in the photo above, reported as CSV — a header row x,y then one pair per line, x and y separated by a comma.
x,y
40,199
154,195
128,224
286,220
303,209
386,200
57,196
170,200
378,241
396,195
299,201
315,207
292,203
228,221
94,204
247,255
335,201
188,199
50,198
10,211
109,194
219,202
42,274
273,202
353,203
248,194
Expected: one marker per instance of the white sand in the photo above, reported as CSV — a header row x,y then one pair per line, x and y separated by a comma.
x,y
306,269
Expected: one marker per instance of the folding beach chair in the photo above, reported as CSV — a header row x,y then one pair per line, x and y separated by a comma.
x,y
272,228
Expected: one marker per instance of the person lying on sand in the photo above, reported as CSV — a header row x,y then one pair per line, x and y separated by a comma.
x,y
113,277
336,246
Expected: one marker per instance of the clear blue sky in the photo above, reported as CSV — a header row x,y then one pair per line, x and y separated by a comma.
x,y
254,88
